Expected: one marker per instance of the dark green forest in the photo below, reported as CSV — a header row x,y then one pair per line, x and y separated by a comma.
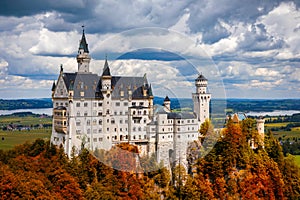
x,y
231,170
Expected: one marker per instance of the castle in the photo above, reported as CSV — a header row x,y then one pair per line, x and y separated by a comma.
x,y
101,111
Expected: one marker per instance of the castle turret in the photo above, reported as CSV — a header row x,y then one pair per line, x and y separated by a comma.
x,y
83,57
167,104
201,99
106,79
260,124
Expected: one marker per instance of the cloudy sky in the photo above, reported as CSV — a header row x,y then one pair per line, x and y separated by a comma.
x,y
247,49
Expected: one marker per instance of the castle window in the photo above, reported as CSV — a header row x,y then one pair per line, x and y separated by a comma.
x,y
88,139
99,113
178,129
145,137
178,136
88,122
78,113
178,121
133,103
78,123
85,104
115,129
115,113
145,121
95,139
133,112
193,135
107,120
78,131
192,121
126,112
140,137
107,129
112,121
117,103
100,104
85,114
77,104
163,137
121,121
125,103
100,139
61,91
163,129
100,130
88,131
94,130
134,129
121,129
94,122
126,121
108,137
100,122
126,137
141,103
107,111
140,129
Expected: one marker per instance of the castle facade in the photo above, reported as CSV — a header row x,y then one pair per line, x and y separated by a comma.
x,y
99,111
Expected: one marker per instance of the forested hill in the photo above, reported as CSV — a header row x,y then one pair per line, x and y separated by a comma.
x,y
12,104
230,170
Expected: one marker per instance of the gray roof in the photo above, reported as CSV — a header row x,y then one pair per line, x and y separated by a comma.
x,y
91,85
133,84
173,115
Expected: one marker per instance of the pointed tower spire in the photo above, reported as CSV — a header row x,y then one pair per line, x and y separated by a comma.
x,y
53,86
83,44
106,70
83,57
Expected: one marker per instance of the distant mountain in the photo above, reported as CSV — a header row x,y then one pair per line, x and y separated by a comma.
x,y
218,105
12,104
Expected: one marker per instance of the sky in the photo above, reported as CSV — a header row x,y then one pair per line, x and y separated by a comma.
x,y
246,49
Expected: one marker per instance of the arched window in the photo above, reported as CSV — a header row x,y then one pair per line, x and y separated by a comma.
x,y
100,122
145,112
94,122
88,122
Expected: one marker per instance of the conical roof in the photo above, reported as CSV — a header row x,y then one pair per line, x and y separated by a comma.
x,y
83,44
201,78
106,70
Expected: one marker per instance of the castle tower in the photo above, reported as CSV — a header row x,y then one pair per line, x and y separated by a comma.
x,y
201,99
260,124
107,102
167,104
83,57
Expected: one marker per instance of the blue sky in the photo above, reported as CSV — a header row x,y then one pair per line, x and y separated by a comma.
x,y
247,49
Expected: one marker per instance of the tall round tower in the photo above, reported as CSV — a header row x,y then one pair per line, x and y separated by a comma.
x,y
260,124
201,99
